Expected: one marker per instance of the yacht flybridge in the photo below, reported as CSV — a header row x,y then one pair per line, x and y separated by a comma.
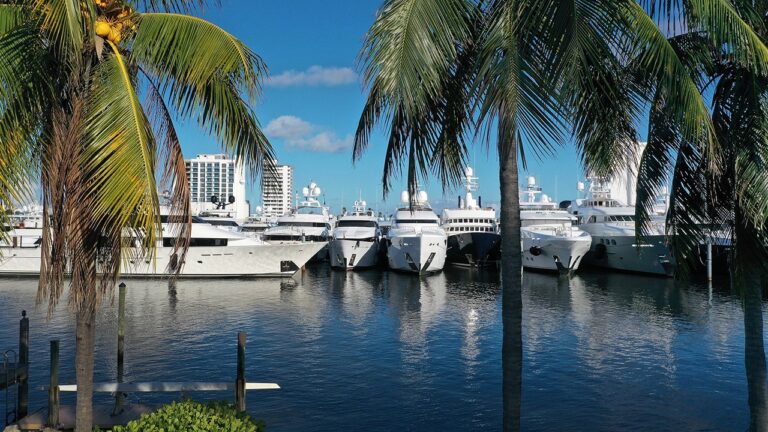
x,y
473,234
213,252
550,241
356,238
614,242
416,243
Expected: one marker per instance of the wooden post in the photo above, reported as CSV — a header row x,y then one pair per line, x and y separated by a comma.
x,y
53,390
23,400
240,382
120,346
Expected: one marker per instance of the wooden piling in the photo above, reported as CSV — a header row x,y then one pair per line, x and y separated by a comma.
x,y
23,399
53,389
120,345
240,382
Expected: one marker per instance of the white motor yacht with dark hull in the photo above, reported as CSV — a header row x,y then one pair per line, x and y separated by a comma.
x,y
473,234
213,253
356,239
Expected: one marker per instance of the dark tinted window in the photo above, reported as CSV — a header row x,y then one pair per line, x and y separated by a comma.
x,y
354,223
170,242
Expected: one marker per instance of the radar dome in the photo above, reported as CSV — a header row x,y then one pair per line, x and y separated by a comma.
x,y
404,197
312,185
531,181
422,196
316,191
305,191
580,186
664,190
545,198
469,171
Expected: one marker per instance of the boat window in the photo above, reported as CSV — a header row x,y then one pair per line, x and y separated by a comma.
x,y
223,222
355,223
613,242
309,210
416,221
592,219
196,242
303,224
252,229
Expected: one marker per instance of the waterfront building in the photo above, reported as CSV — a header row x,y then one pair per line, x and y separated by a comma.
x,y
276,191
216,175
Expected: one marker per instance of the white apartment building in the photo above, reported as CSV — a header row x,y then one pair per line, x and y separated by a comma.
x,y
277,191
217,175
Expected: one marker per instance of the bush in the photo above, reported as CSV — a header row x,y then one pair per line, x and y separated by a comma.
x,y
192,416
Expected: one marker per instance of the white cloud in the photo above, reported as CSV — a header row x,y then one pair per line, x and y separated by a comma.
x,y
302,135
314,76
289,127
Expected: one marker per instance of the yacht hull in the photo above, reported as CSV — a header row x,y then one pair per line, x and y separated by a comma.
x,y
474,249
554,253
622,253
419,252
200,262
350,254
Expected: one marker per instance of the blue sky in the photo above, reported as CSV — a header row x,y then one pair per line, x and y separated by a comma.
x,y
311,106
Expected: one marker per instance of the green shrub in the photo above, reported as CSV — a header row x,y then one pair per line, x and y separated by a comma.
x,y
190,416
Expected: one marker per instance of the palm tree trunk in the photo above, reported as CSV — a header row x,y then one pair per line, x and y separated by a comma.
x,y
85,334
511,280
754,353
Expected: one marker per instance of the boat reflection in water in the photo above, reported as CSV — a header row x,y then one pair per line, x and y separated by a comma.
x,y
380,350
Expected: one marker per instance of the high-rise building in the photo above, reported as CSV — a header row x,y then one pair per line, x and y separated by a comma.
x,y
217,175
277,190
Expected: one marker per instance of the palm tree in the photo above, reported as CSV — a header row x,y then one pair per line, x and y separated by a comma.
x,y
439,71
723,191
89,90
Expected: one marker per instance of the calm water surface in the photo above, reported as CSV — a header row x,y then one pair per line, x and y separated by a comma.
x,y
381,351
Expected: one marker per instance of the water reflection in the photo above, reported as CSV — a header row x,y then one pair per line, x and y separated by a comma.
x,y
377,350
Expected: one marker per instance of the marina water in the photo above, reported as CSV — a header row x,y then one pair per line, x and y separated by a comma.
x,y
383,351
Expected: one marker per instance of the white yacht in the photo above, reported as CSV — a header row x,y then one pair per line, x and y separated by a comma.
x,y
416,243
212,252
473,234
309,222
356,238
549,237
614,242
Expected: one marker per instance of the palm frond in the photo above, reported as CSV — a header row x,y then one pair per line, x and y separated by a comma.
x,y
656,57
514,84
408,52
119,160
174,175
11,16
204,72
182,6
63,22
184,53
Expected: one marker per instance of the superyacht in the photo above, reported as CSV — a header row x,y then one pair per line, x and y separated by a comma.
x,y
416,243
212,252
611,223
550,241
356,239
473,234
309,222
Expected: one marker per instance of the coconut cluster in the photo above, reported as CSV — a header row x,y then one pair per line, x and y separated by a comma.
x,y
114,20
